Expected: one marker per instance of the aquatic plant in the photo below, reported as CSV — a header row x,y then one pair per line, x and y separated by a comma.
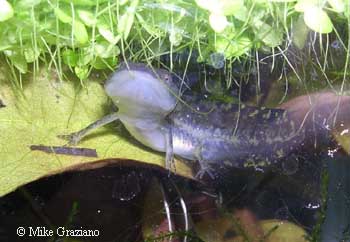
x,y
86,35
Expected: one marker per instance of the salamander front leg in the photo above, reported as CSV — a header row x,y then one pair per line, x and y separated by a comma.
x,y
74,138
169,152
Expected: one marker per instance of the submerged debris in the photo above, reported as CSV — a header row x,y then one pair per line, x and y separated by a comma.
x,y
65,150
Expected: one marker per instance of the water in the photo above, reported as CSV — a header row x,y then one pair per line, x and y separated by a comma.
x,y
307,193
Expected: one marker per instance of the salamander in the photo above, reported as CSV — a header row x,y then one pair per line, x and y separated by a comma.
x,y
233,135
158,114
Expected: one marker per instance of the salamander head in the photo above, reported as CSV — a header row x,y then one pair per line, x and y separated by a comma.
x,y
138,91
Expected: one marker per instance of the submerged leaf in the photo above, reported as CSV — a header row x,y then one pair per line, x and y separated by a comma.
x,y
235,47
105,63
249,229
299,33
127,19
62,16
304,5
342,136
6,10
279,231
218,22
337,5
226,7
105,50
105,30
83,2
317,20
50,108
108,35
80,33
270,35
18,60
70,57
31,54
87,17
82,72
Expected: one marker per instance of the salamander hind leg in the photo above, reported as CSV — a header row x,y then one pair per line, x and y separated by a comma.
x,y
205,169
74,138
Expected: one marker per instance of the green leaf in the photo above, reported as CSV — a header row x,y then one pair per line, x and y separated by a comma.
x,y
70,58
105,30
87,17
347,8
126,21
275,230
80,33
218,22
62,16
5,43
317,20
230,7
31,54
107,63
47,108
6,10
85,56
337,5
26,4
221,7
82,72
271,36
208,5
282,1
84,3
149,27
304,5
300,32
18,60
343,139
123,2
124,24
232,48
104,49
175,37
109,36
242,14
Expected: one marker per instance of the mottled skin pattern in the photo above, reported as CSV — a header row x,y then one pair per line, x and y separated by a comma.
x,y
233,135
